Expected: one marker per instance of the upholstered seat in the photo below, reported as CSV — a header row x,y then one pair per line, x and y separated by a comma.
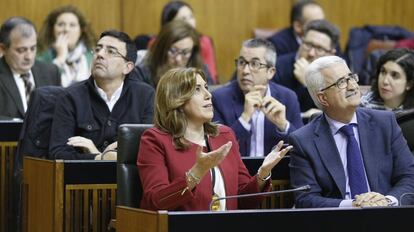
x,y
129,190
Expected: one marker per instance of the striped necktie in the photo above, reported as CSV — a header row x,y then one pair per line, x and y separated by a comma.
x,y
27,84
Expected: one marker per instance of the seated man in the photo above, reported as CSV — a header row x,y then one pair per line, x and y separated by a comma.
x,y
20,74
349,156
87,116
288,39
260,112
320,39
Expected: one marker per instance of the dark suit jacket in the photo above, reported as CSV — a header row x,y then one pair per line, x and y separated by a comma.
x,y
228,103
284,76
11,105
81,111
284,41
315,160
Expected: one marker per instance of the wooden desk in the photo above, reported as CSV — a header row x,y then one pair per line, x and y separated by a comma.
x,y
9,135
68,195
321,219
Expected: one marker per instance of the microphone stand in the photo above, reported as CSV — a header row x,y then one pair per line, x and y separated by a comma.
x,y
304,188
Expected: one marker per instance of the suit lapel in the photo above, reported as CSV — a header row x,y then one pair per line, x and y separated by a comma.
x,y
368,148
37,76
10,85
329,154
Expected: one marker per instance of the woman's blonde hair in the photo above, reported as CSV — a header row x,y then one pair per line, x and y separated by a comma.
x,y
175,88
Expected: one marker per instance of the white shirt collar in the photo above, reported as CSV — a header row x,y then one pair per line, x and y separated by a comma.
x,y
114,98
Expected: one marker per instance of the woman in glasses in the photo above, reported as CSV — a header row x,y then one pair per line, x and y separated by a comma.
x,y
392,86
177,45
186,161
180,10
66,40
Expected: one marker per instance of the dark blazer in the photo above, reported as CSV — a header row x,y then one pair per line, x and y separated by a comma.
x,y
11,105
81,111
228,103
315,160
162,170
284,76
284,41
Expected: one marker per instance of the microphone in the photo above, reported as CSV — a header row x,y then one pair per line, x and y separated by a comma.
x,y
305,188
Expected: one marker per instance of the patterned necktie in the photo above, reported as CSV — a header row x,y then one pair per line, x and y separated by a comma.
x,y
357,181
27,84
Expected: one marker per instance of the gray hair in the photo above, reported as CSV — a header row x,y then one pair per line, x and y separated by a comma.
x,y
25,27
315,81
270,55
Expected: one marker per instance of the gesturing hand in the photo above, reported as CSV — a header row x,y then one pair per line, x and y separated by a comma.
x,y
207,160
86,144
272,159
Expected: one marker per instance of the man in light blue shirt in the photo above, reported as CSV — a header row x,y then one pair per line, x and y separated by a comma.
x,y
350,156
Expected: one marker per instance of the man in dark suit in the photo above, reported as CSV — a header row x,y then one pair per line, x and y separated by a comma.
x,y
19,72
88,114
260,112
349,156
320,39
288,39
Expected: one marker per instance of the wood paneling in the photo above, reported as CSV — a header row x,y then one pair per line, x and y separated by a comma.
x,y
228,22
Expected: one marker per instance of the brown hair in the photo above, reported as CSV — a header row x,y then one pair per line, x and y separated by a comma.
x,y
157,57
47,37
176,88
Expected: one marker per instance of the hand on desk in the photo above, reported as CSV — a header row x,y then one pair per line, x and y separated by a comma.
x,y
370,199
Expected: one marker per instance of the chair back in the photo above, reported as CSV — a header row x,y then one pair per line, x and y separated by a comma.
x,y
129,190
406,121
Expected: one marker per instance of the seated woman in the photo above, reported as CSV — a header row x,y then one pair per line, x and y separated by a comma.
x,y
185,161
66,40
392,87
177,45
179,10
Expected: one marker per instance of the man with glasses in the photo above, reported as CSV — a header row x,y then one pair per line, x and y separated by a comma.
x,y
288,39
87,116
350,156
320,39
260,112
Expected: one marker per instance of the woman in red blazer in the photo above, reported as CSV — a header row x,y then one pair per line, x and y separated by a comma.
x,y
185,161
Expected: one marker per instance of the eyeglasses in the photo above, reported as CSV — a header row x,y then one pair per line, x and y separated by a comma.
x,y
318,49
174,52
342,82
254,65
109,51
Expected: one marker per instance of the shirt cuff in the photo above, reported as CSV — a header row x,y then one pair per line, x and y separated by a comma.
x,y
286,130
246,125
345,203
394,201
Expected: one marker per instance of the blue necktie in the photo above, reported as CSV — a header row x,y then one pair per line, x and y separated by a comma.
x,y
356,174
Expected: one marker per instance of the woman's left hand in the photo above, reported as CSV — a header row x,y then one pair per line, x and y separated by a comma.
x,y
272,159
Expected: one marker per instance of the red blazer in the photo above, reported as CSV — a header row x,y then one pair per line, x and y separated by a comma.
x,y
162,171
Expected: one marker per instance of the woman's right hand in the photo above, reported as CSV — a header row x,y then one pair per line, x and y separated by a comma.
x,y
61,46
207,160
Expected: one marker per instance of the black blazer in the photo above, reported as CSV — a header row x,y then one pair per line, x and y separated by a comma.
x,y
11,105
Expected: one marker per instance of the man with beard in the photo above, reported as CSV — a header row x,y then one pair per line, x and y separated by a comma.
x,y
320,39
350,156
260,112
87,116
